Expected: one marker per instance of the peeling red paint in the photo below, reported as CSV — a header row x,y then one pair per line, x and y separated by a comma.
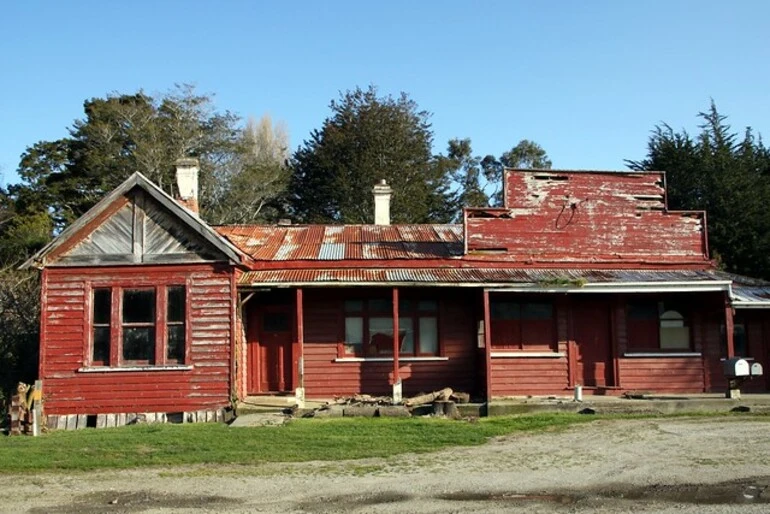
x,y
570,216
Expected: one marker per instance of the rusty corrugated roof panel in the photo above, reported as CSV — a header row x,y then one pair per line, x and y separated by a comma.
x,y
474,275
340,242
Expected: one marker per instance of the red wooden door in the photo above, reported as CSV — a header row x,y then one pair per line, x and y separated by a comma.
x,y
591,332
275,338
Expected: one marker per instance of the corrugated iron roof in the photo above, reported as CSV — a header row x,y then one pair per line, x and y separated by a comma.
x,y
555,277
342,242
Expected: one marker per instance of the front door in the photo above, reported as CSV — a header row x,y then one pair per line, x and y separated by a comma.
x,y
269,350
591,332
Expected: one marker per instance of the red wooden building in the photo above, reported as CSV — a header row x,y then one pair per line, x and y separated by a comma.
x,y
583,278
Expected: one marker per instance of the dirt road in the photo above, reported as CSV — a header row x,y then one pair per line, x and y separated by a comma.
x,y
669,465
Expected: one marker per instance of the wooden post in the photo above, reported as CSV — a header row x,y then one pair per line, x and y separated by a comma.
x,y
396,350
487,346
729,327
300,353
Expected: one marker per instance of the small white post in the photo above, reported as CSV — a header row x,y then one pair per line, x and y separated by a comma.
x,y
397,393
578,393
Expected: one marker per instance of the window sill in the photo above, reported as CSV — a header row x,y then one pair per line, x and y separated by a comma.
x,y
527,355
128,369
663,354
390,359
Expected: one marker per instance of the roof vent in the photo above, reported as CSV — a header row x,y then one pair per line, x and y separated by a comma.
x,y
284,222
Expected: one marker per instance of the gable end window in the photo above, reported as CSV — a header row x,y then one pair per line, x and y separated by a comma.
x,y
142,326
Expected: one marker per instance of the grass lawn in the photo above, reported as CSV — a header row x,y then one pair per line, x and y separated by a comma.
x,y
300,440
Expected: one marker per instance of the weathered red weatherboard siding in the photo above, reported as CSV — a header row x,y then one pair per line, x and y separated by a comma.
x,y
324,332
576,217
630,370
65,338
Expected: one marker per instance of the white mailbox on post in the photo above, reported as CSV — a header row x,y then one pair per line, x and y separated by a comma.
x,y
756,369
735,367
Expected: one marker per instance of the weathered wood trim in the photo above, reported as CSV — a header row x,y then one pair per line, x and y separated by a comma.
x,y
729,326
42,344
299,358
132,369
396,337
487,345
662,354
528,355
390,359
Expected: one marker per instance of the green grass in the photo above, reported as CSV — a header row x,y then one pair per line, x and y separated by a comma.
x,y
300,440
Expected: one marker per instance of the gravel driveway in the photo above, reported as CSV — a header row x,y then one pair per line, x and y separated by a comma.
x,y
699,465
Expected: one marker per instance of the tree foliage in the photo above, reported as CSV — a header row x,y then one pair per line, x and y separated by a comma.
x,y
726,174
251,187
525,155
368,138
121,134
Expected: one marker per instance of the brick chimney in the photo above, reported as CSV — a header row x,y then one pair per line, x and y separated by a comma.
x,y
187,182
382,193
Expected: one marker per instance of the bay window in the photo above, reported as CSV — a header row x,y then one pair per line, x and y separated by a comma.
x,y
138,326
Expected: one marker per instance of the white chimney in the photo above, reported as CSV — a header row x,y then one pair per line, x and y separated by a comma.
x,y
382,193
187,182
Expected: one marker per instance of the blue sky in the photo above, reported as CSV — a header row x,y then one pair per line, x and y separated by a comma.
x,y
587,80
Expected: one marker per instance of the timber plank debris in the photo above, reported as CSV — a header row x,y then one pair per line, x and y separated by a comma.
x,y
437,403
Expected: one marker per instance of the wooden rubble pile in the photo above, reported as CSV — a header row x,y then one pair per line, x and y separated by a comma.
x,y
24,410
438,403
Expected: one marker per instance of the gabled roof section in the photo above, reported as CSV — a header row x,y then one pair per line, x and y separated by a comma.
x,y
113,211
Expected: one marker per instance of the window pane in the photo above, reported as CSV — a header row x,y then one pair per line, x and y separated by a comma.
x,y
354,335
429,336
276,322
381,335
505,310
380,305
175,344
739,341
406,334
675,338
643,310
176,303
405,306
101,345
138,306
139,344
427,306
537,311
102,306
354,305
